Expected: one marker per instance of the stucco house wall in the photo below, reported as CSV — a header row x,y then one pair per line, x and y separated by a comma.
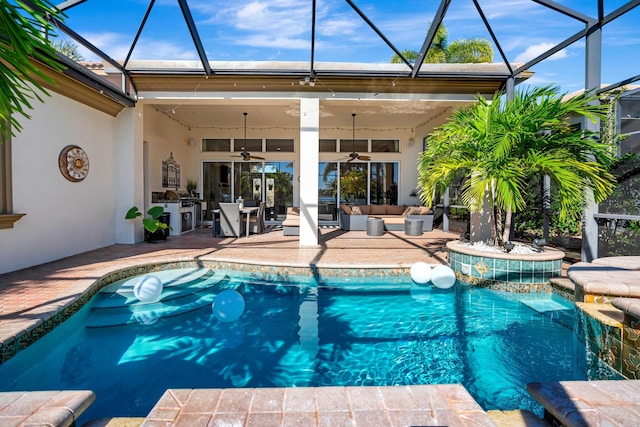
x,y
62,218
163,136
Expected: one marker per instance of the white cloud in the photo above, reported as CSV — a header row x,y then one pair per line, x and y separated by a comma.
x,y
117,47
501,9
285,24
156,49
538,49
264,40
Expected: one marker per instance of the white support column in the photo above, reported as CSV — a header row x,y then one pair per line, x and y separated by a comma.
x,y
593,54
309,158
129,173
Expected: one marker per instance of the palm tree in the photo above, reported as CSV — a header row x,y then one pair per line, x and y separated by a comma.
x,y
497,145
464,51
474,50
68,49
23,45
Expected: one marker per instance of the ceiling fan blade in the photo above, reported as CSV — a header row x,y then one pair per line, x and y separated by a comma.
x,y
351,159
257,157
364,158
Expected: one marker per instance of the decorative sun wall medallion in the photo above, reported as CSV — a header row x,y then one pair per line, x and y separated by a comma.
x,y
74,163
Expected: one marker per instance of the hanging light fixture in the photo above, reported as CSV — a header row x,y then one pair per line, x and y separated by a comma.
x,y
353,155
244,154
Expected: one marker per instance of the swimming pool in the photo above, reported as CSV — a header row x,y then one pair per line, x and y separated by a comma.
x,y
297,332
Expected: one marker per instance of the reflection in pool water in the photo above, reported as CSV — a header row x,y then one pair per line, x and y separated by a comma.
x,y
369,332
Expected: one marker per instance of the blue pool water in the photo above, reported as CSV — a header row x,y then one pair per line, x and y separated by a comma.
x,y
357,332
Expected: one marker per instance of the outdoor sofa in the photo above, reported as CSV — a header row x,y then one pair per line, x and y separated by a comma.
x,y
355,217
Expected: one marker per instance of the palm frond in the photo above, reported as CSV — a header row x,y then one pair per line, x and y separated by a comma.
x,y
23,42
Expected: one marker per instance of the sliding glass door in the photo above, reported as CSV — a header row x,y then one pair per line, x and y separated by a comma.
x,y
357,184
216,185
383,183
327,191
271,182
278,189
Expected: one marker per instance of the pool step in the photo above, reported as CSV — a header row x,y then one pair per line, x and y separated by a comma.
x,y
169,278
171,289
173,302
560,312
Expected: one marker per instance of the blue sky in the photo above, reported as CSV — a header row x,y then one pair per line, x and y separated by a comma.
x,y
280,30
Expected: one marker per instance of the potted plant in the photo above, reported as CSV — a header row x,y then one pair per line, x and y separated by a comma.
x,y
499,145
155,230
192,187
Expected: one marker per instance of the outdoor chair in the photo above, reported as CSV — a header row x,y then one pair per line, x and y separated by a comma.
x,y
231,220
256,222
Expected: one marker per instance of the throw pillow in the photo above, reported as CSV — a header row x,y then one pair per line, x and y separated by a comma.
x,y
415,210
365,209
406,212
346,209
356,210
425,211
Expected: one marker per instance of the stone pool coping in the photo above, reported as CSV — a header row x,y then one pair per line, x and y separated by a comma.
x,y
43,408
446,404
548,254
589,403
605,279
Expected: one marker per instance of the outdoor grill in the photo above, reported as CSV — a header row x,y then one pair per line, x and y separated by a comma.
x,y
184,198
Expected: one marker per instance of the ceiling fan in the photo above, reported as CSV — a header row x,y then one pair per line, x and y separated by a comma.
x,y
244,154
353,155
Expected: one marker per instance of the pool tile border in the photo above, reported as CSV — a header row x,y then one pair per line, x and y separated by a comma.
x,y
505,271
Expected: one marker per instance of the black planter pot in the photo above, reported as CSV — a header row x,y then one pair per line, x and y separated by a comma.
x,y
157,236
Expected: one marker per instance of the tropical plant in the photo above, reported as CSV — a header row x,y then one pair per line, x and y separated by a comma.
x,y
353,183
192,185
475,50
68,49
151,224
499,144
23,48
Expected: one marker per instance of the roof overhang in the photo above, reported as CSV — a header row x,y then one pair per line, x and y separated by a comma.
x,y
176,76
81,84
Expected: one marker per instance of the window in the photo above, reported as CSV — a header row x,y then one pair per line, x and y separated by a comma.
x,y
216,145
280,145
385,146
357,145
247,145
328,145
